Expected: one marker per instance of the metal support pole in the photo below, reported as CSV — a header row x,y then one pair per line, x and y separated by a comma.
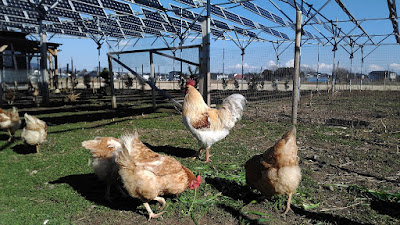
x,y
43,64
205,75
152,78
297,49
111,75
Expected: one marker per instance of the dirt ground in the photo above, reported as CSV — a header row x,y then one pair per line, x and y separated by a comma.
x,y
349,155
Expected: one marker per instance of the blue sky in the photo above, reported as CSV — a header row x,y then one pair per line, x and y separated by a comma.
x,y
260,55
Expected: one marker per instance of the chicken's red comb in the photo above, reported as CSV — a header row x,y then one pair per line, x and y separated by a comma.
x,y
190,82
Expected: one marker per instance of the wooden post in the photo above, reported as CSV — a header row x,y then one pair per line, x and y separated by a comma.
x,y
205,84
111,75
43,65
297,48
152,78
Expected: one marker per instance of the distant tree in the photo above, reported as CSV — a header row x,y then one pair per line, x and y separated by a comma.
x,y
342,74
105,75
268,74
284,73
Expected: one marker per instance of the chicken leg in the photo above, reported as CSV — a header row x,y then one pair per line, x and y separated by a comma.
x,y
208,155
37,148
197,154
151,214
161,200
288,203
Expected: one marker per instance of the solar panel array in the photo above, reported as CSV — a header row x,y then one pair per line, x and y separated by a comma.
x,y
117,18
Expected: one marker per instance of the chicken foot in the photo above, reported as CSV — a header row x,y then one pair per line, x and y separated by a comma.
x,y
288,203
151,214
11,136
162,201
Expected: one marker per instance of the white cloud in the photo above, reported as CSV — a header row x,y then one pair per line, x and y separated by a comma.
x,y
374,67
290,63
394,66
271,64
239,66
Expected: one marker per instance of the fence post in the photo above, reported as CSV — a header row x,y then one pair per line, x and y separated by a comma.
x,y
205,58
152,78
296,67
111,75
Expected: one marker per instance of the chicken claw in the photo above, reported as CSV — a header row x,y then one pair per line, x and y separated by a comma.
x,y
151,214
158,215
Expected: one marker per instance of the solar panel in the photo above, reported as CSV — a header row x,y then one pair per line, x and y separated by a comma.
x,y
65,14
35,15
66,26
285,36
216,10
22,20
169,28
117,6
149,3
91,2
278,20
20,5
107,21
153,24
11,11
265,13
252,34
251,6
178,23
217,33
151,31
53,30
10,24
187,2
73,33
2,17
232,17
182,12
130,26
114,30
248,22
132,33
131,19
196,27
220,24
29,30
275,32
88,9
156,16
63,4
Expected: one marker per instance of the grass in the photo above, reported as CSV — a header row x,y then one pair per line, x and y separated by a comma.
x,y
58,185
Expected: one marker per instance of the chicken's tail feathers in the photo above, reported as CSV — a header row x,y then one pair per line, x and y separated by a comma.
x,y
235,104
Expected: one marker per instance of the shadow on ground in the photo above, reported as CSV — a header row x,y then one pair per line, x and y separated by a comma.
x,y
170,150
91,188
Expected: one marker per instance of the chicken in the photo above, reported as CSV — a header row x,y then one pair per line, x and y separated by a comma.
x,y
210,125
35,131
147,175
10,121
104,151
276,171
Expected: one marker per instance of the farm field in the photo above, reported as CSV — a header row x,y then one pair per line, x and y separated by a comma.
x,y
348,149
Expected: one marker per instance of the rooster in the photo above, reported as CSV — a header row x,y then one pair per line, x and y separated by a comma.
x,y
210,125
10,121
104,151
276,171
147,175
35,131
